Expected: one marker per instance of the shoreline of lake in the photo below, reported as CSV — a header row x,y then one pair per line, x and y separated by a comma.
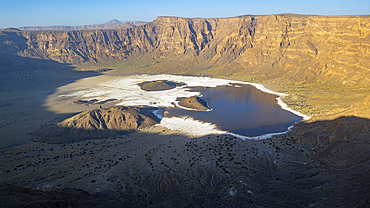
x,y
122,87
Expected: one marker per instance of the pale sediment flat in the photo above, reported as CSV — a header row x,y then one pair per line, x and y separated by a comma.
x,y
264,136
190,126
128,93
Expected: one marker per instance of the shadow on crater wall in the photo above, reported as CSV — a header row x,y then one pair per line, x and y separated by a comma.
x,y
25,85
320,163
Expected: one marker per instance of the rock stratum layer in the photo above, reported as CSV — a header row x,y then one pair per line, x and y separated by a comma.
x,y
321,61
325,46
97,124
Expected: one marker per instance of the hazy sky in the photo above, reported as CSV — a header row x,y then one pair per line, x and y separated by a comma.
x,y
17,13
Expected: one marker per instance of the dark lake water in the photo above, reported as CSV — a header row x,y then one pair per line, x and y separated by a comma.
x,y
242,110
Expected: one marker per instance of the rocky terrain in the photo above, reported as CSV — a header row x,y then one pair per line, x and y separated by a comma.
x,y
113,24
317,164
100,123
342,148
12,196
194,102
321,62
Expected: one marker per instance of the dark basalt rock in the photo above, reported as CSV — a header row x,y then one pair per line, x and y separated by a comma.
x,y
93,101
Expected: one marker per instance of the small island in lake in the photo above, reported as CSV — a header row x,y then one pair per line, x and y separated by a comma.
x,y
194,102
159,85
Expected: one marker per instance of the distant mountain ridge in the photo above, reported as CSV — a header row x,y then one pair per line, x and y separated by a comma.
x,y
112,24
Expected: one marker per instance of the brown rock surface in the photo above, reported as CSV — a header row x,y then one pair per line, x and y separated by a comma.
x,y
194,102
98,123
281,45
322,61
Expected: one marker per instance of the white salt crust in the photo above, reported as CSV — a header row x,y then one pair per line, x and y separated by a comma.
x,y
126,90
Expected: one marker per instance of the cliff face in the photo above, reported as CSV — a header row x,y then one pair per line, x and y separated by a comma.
x,y
321,46
307,52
